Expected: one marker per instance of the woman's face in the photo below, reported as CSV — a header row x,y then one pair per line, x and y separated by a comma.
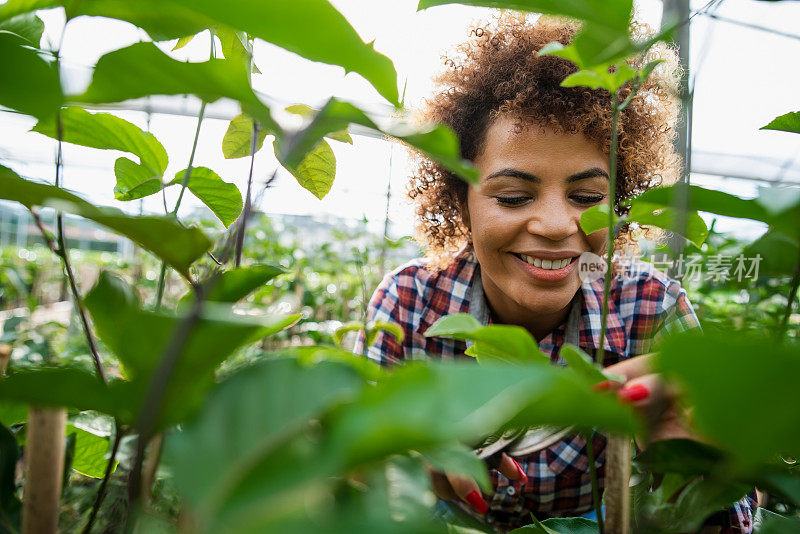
x,y
525,219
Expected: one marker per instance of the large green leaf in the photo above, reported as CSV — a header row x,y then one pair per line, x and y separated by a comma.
x,y
246,423
596,218
507,342
28,26
790,122
603,38
561,525
142,69
90,453
709,200
144,340
437,142
238,139
235,284
773,523
107,131
221,197
317,170
28,83
471,401
163,236
68,387
686,223
313,29
582,363
721,375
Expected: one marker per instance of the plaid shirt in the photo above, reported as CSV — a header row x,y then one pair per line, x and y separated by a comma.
x,y
644,306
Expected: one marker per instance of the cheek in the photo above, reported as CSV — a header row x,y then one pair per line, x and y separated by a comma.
x,y
597,241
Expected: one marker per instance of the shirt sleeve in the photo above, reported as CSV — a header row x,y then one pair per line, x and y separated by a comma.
x,y
385,305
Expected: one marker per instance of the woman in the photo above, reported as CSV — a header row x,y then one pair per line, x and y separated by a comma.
x,y
506,250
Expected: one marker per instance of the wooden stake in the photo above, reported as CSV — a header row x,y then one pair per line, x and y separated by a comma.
x,y
44,467
5,357
617,487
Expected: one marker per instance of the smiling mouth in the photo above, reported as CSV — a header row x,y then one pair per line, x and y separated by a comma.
x,y
545,264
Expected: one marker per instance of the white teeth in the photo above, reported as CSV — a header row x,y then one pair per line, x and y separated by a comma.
x,y
546,264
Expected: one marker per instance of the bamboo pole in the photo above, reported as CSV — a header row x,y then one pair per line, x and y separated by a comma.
x,y
617,487
44,467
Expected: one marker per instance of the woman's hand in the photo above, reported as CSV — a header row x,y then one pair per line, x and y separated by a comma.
x,y
654,398
448,486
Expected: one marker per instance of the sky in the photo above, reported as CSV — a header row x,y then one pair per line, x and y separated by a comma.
x,y
743,78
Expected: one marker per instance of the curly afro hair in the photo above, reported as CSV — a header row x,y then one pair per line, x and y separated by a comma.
x,y
498,71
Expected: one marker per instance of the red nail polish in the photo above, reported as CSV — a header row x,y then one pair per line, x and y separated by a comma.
x,y
602,386
523,478
476,501
633,393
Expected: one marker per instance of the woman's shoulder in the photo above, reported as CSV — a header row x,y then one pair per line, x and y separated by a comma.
x,y
638,280
418,278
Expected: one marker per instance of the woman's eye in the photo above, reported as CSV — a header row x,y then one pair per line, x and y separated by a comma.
x,y
588,199
512,201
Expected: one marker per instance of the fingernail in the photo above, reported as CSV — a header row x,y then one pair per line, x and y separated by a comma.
x,y
602,386
476,501
523,478
633,393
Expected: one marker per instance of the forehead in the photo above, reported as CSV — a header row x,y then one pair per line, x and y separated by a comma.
x,y
509,141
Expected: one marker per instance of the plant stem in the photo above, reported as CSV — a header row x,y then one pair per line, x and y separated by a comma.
x,y
63,252
612,187
237,259
598,507
787,313
101,491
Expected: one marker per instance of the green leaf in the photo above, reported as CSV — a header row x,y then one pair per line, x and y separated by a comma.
x,y
561,525
456,459
721,374
308,113
28,83
142,69
238,139
10,505
342,331
383,326
596,218
514,343
28,26
233,47
587,78
12,413
312,355
778,253
259,409
470,401
163,236
583,364
90,453
694,228
109,132
778,200
317,170
222,198
683,456
68,387
437,142
183,41
773,523
13,8
134,181
790,122
235,284
604,34
143,341
308,28
701,199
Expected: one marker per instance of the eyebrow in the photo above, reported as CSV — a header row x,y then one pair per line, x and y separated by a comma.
x,y
514,173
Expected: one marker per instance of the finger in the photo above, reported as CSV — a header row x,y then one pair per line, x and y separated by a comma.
x,y
441,486
468,490
645,390
633,367
511,469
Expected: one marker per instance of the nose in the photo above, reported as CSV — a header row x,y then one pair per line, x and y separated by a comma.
x,y
553,219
